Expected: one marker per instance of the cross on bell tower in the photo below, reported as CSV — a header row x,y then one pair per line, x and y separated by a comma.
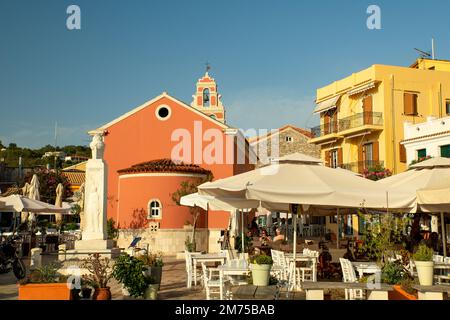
x,y
206,98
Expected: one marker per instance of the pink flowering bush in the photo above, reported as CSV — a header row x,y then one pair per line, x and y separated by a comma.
x,y
377,172
48,181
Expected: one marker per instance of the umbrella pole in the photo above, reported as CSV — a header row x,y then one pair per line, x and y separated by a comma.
x,y
242,234
338,227
294,253
444,236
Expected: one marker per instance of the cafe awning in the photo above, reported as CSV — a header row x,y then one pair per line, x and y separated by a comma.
x,y
327,104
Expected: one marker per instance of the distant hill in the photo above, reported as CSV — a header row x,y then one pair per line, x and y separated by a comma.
x,y
35,157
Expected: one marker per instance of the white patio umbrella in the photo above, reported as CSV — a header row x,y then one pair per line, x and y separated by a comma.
x,y
427,185
21,203
33,192
58,200
301,180
216,204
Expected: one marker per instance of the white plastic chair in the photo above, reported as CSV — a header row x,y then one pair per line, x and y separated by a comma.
x,y
189,268
438,258
349,275
215,284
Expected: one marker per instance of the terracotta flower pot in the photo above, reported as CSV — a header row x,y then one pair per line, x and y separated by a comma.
x,y
102,294
399,294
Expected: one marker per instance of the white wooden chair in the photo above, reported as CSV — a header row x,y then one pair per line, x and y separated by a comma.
x,y
215,284
309,272
190,268
349,275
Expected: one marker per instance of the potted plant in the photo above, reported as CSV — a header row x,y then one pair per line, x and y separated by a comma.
x,y
45,283
151,292
423,259
131,272
260,266
86,289
100,274
154,263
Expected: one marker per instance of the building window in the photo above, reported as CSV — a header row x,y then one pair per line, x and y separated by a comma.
x,y
445,151
163,112
289,139
447,107
334,159
410,104
332,219
154,209
213,116
206,97
421,153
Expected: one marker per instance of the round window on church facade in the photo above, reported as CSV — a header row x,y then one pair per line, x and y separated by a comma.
x,y
163,112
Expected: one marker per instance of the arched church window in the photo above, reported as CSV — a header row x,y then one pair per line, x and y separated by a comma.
x,y
154,209
206,97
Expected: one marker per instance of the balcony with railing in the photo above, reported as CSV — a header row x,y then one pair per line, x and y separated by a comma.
x,y
359,166
348,125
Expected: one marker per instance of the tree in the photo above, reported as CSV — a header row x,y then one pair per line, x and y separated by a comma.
x,y
48,181
12,146
189,187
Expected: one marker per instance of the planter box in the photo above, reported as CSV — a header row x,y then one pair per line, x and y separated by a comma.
x,y
399,294
45,291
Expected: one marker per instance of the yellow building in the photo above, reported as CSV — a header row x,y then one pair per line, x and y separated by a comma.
x,y
362,116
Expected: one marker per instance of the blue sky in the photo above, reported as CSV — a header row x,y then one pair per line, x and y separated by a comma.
x,y
268,57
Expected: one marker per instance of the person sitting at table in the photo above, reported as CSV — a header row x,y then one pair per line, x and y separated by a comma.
x,y
279,236
349,254
264,238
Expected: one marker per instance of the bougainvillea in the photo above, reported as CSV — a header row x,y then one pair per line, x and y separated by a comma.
x,y
48,181
376,173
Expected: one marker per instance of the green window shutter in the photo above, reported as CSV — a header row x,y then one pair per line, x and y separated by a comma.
x,y
445,151
422,153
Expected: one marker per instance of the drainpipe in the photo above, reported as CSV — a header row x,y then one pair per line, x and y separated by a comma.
x,y
440,100
394,153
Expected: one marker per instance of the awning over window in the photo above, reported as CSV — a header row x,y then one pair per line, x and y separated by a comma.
x,y
365,87
327,104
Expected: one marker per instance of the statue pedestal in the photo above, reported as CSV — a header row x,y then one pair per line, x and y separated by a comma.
x,y
85,247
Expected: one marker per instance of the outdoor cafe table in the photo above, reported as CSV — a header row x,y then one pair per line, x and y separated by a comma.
x,y
303,258
209,257
366,268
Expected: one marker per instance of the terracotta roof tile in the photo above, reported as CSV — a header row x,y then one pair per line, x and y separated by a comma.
x,y
164,165
76,178
427,136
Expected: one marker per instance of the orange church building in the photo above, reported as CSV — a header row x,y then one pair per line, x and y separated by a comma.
x,y
151,150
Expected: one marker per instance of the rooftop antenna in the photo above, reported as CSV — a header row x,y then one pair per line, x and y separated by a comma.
x,y
432,49
423,54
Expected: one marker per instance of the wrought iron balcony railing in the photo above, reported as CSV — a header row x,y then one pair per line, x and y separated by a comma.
x,y
359,166
354,121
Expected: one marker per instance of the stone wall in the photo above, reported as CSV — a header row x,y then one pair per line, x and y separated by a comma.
x,y
299,143
170,241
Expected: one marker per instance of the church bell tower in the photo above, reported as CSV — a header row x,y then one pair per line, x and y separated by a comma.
x,y
206,98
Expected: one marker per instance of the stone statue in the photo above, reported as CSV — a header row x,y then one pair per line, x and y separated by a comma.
x,y
94,222
97,146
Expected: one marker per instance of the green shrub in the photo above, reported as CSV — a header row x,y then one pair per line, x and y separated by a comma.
x,y
129,271
392,273
262,259
423,253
